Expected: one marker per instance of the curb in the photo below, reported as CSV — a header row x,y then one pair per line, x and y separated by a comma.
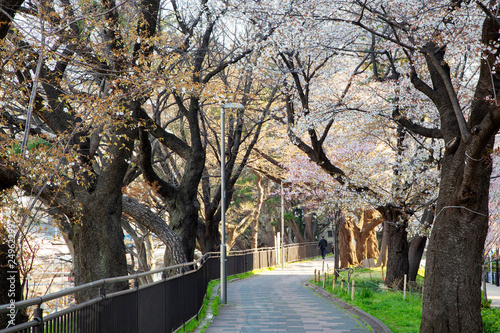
x,y
376,324
209,315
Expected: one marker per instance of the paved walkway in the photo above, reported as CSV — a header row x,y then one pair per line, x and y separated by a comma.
x,y
493,293
277,301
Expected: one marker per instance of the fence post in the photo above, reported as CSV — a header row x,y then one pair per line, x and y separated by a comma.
x,y
102,291
404,288
352,291
38,316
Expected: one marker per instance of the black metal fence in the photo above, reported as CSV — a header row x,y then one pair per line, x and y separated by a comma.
x,y
161,306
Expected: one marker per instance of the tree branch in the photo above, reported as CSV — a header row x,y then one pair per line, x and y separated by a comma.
x,y
429,51
158,226
415,128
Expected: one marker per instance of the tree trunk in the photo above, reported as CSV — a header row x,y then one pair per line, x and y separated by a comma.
x,y
397,255
95,214
365,235
452,289
174,253
210,239
372,250
382,258
336,249
183,213
347,249
308,234
397,248
415,252
98,243
417,246
295,231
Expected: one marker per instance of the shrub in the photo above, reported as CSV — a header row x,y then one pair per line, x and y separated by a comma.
x,y
485,303
491,320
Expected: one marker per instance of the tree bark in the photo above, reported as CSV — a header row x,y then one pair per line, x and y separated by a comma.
x,y
365,235
372,250
452,297
346,245
382,258
308,233
98,244
174,253
338,224
397,247
415,252
295,231
417,246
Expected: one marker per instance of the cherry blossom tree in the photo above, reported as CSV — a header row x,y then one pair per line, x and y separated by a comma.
x,y
451,54
334,80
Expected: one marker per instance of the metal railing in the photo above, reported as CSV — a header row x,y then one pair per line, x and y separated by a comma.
x,y
161,306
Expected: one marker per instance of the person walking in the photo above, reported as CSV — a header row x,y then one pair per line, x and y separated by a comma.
x,y
322,245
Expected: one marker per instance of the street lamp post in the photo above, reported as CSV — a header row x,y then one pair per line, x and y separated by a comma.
x,y
223,277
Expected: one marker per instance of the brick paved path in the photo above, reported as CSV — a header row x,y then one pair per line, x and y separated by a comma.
x,y
277,301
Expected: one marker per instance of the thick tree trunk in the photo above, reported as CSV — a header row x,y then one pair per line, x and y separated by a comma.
x,y
255,222
365,235
210,238
397,255
254,241
183,207
397,247
183,211
95,215
372,250
98,243
346,247
452,289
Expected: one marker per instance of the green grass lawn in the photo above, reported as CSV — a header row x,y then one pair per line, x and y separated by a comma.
x,y
400,315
